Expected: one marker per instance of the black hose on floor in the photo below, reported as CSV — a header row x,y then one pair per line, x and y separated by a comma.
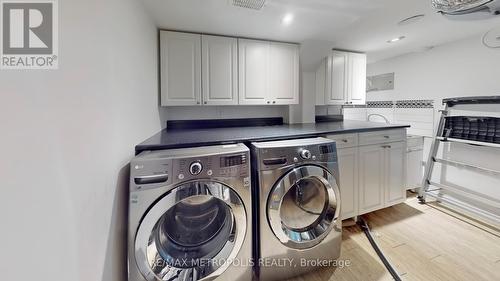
x,y
364,226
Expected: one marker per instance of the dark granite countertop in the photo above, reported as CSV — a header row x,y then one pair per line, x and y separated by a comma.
x,y
201,137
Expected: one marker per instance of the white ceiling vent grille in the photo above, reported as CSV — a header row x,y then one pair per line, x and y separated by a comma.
x,y
250,4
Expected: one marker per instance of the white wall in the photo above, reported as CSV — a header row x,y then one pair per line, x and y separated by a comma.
x,y
67,136
223,112
462,68
308,97
304,111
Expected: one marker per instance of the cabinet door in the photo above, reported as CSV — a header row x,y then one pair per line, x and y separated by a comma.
x,y
220,70
395,191
321,83
357,79
414,168
348,169
371,178
284,73
253,71
180,68
337,78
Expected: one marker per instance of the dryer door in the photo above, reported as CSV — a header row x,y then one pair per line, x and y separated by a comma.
x,y
192,233
303,206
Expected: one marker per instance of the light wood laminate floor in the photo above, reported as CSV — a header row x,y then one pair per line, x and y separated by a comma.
x,y
421,242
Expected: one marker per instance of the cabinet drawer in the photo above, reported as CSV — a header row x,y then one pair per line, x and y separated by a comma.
x,y
382,136
346,140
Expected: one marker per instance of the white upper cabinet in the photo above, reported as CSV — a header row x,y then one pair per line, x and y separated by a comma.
x,y
217,70
284,73
356,81
345,77
337,84
253,71
268,72
220,70
180,55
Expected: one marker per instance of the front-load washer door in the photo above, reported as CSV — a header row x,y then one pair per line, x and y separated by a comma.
x,y
193,233
303,206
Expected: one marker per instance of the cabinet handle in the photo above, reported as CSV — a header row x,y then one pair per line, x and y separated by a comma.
x,y
386,137
205,102
268,102
197,102
386,146
344,140
274,101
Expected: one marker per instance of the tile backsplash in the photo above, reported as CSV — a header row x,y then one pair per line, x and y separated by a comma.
x,y
419,114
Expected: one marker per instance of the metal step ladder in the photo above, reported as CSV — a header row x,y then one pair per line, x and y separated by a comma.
x,y
434,189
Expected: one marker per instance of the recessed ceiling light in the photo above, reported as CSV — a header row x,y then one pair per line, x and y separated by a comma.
x,y
396,39
287,19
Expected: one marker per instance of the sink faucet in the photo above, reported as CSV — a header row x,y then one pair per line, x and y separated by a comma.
x,y
379,115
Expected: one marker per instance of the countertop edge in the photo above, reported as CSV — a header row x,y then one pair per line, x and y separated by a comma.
x,y
139,148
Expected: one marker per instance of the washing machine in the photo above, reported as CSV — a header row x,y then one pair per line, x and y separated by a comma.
x,y
298,206
190,215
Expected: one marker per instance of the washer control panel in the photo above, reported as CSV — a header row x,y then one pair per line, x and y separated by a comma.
x,y
233,165
153,169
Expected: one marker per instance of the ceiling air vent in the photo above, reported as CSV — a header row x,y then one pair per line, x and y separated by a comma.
x,y
250,4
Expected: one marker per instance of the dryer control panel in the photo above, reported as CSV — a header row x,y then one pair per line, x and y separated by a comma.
x,y
273,155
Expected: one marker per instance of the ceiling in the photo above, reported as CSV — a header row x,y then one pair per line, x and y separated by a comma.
x,y
320,25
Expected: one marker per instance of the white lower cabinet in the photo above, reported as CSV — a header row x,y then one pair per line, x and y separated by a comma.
x,y
348,165
382,176
372,176
395,161
414,158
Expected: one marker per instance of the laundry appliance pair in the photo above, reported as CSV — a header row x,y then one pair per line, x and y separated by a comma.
x,y
233,212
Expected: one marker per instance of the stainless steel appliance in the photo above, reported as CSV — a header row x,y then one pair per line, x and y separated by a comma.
x,y
190,215
297,206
